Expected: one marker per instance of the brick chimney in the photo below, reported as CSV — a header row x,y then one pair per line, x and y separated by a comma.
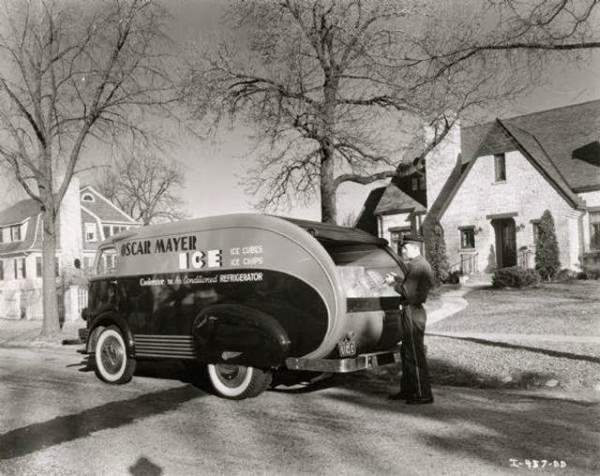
x,y
441,162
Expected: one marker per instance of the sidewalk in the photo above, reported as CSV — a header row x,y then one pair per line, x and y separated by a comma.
x,y
452,301
519,337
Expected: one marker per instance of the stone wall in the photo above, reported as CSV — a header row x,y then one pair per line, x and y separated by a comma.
x,y
525,192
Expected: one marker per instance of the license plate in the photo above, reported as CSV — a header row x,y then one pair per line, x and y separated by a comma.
x,y
347,348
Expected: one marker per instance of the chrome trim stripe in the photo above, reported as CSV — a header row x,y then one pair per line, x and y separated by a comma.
x,y
164,356
187,348
163,337
165,351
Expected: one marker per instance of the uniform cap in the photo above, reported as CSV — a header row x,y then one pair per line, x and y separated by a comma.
x,y
412,238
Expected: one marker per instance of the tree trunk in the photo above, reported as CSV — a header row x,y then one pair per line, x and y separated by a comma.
x,y
328,187
51,324
328,205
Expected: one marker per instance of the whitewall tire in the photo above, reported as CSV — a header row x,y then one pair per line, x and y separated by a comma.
x,y
113,365
237,382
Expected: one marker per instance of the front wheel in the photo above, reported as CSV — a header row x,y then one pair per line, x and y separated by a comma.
x,y
113,365
237,382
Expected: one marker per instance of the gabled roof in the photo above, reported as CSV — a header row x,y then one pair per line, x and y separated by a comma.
x,y
562,144
30,241
531,147
19,212
554,136
366,220
560,132
395,200
104,208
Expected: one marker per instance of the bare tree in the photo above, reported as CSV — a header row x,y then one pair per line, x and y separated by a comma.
x,y
535,31
72,71
145,186
330,87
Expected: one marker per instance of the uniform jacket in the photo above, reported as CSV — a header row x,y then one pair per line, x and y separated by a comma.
x,y
417,282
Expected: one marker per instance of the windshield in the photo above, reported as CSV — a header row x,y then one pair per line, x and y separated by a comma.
x,y
106,261
362,269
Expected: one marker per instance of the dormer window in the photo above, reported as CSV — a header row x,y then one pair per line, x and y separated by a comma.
x,y
500,167
88,197
15,233
418,183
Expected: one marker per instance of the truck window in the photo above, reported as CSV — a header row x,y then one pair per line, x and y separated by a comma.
x,y
362,269
106,261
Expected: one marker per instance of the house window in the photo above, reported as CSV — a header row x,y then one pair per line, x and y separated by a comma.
x,y
106,230
536,230
595,231
467,237
20,268
90,232
38,266
88,197
418,183
500,167
1,235
397,237
15,233
1,270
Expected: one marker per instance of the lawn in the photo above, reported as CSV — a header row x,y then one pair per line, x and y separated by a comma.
x,y
570,308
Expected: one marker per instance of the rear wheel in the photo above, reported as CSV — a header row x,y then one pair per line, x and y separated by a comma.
x,y
113,365
237,382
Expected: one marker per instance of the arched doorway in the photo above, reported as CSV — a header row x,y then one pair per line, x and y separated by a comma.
x,y
506,242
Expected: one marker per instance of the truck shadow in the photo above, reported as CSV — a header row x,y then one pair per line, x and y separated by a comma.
x,y
37,436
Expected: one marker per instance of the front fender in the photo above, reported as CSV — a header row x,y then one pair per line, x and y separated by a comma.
x,y
240,335
107,319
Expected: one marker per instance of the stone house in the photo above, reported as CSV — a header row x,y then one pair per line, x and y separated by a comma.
x,y
85,218
488,185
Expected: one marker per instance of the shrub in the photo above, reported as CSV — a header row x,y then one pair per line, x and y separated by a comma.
x,y
453,277
590,271
515,277
435,247
547,262
565,275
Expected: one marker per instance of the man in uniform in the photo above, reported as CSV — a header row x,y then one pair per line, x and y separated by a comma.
x,y
415,386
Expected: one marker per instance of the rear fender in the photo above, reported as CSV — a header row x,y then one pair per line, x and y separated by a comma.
x,y
240,335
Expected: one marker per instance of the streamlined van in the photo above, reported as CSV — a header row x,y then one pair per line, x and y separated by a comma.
x,y
247,295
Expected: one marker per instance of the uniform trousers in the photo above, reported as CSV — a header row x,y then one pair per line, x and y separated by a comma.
x,y
415,379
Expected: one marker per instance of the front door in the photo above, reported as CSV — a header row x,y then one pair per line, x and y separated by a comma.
x,y
506,242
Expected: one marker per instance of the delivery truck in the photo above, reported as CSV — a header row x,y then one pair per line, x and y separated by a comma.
x,y
246,295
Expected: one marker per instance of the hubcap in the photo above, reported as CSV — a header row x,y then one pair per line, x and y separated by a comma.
x,y
231,375
112,355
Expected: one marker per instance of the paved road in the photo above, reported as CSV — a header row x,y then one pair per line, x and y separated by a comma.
x,y
57,419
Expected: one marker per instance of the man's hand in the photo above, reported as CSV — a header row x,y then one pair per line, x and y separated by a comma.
x,y
391,278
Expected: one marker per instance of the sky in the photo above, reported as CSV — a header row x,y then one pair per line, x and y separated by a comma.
x,y
215,170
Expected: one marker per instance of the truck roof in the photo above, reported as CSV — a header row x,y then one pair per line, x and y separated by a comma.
x,y
330,232
321,231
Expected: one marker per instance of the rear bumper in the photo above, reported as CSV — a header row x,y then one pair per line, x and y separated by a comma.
x,y
353,364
